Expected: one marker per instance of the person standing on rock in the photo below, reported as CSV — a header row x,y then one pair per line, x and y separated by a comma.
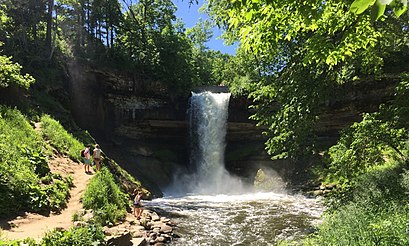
x,y
87,159
97,157
137,205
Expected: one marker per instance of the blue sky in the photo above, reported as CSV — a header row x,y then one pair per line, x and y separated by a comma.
x,y
190,15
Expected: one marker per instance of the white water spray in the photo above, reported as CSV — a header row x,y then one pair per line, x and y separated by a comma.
x,y
208,127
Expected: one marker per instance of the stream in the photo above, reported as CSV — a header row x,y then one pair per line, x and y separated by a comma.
x,y
248,219
216,208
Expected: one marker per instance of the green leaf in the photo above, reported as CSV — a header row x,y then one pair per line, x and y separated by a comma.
x,y
399,7
377,10
359,6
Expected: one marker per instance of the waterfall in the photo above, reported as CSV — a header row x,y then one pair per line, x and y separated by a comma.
x,y
208,126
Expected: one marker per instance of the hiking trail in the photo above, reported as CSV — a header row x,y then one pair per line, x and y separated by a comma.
x,y
35,225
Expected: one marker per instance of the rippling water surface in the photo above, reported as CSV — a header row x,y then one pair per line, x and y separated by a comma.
x,y
250,219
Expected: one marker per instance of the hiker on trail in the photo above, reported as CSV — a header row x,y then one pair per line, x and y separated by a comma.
x,y
87,159
137,205
97,157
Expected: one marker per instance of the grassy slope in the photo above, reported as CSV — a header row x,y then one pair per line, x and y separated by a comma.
x,y
26,183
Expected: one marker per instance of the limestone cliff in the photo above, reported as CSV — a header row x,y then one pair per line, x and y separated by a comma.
x,y
145,129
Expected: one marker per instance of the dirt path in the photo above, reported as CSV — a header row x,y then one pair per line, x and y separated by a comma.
x,y
35,225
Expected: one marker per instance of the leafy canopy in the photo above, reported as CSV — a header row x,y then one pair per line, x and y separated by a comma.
x,y
304,51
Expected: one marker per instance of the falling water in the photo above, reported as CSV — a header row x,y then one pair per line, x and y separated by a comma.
x,y
215,208
208,123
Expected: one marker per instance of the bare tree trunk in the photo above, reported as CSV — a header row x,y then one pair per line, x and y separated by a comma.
x,y
48,38
107,34
112,36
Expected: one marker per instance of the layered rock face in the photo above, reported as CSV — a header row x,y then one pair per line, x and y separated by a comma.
x,y
147,131
143,127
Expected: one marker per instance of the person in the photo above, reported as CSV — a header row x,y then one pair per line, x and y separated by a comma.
x,y
97,157
137,205
87,159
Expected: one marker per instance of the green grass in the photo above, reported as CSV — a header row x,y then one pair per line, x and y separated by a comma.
x,y
59,138
374,212
23,166
105,197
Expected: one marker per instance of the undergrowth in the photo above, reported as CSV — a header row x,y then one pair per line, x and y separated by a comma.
x,y
59,138
376,212
106,199
23,165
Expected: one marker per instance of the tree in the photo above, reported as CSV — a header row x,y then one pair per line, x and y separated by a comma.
x,y
10,74
303,51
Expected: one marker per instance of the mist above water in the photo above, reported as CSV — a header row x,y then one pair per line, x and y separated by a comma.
x,y
208,113
212,207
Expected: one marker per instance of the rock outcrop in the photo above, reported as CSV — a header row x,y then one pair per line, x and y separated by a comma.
x,y
145,129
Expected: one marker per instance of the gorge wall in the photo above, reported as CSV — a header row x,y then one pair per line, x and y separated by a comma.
x,y
144,127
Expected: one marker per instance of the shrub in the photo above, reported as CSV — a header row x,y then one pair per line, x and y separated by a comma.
x,y
88,235
27,241
362,147
25,179
10,74
104,196
374,214
21,155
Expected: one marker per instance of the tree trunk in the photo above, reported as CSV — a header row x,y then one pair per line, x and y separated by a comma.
x,y
48,38
112,36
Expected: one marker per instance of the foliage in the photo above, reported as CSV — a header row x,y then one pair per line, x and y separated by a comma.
x,y
59,138
27,241
22,149
10,74
373,215
303,51
105,197
379,7
88,235
397,111
363,146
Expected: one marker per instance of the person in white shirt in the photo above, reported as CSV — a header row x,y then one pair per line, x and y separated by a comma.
x,y
97,157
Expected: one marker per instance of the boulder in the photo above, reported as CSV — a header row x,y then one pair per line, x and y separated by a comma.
x,y
120,240
139,242
165,229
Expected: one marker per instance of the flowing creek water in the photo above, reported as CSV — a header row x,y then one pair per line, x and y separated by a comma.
x,y
247,219
212,207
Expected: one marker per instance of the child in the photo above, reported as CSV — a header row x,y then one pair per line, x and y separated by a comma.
x,y
87,160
